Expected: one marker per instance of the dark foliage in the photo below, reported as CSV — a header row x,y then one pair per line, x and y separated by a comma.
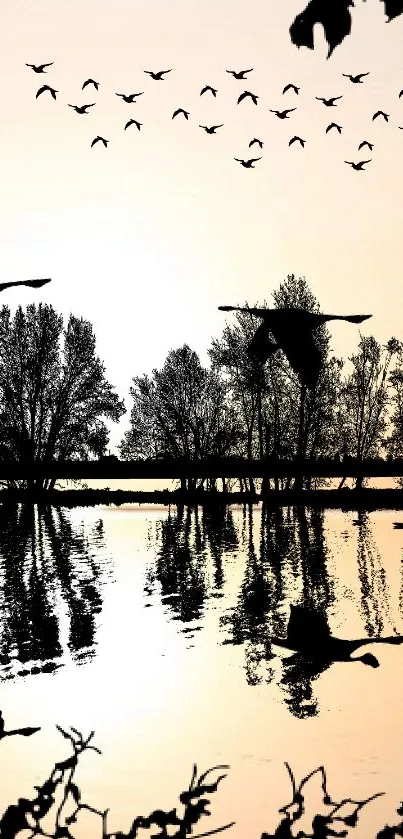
x,y
335,17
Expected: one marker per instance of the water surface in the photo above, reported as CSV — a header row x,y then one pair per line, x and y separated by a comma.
x,y
153,627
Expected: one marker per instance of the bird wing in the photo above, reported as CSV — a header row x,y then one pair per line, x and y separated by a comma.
x,y
303,354
261,345
33,283
389,639
260,313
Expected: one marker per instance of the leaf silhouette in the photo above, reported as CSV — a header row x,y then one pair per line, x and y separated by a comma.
x,y
335,17
393,8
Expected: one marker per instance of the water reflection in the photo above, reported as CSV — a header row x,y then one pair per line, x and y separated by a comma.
x,y
285,560
50,589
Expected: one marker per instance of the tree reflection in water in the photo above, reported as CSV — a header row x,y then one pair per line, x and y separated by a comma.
x,y
285,559
48,575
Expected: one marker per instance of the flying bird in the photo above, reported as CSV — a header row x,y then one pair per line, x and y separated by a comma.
x,y
40,68
358,166
355,79
181,111
282,114
255,140
90,81
82,109
239,74
159,76
308,633
292,330
211,129
130,97
133,122
248,164
294,140
291,87
380,114
208,87
31,283
328,102
45,87
246,93
333,125
99,139
366,143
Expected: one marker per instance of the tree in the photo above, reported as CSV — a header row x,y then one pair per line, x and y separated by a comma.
x,y
280,416
365,400
180,412
53,390
394,443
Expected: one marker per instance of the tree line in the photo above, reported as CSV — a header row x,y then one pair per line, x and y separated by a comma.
x,y
55,398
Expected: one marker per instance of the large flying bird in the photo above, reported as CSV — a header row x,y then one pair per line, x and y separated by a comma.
x,y
292,330
32,283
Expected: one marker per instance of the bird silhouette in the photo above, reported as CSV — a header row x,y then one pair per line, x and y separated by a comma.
x,y
99,139
366,143
282,114
45,87
333,125
239,74
355,79
246,93
159,75
380,114
180,111
308,633
330,103
211,129
255,140
90,81
31,283
248,164
133,122
294,140
82,109
40,68
208,87
292,330
358,166
130,97
291,87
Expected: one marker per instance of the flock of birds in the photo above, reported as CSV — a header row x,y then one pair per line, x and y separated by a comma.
x,y
239,75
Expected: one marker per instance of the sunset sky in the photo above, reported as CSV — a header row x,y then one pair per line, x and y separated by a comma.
x,y
147,237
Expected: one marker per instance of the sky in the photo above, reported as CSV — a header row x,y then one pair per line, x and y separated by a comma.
x,y
147,237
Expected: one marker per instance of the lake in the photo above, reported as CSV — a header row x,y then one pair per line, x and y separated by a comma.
x,y
152,627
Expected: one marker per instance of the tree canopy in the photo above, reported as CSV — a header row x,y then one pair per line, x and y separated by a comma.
x,y
53,390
